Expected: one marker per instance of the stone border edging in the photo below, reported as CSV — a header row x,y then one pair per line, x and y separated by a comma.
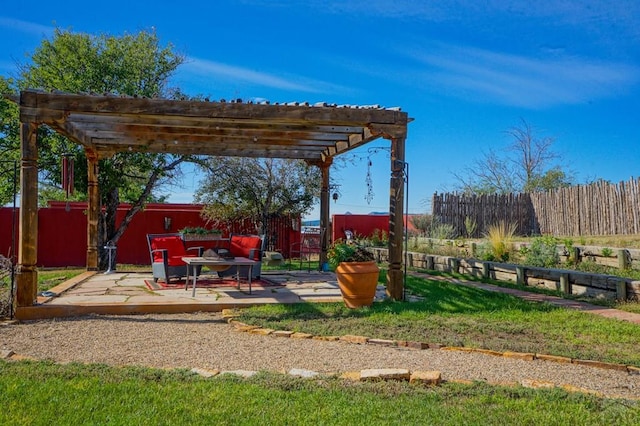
x,y
431,377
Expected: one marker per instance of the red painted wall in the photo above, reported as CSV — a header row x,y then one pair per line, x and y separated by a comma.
x,y
361,224
6,217
62,232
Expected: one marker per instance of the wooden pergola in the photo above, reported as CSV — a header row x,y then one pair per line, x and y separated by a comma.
x,y
106,125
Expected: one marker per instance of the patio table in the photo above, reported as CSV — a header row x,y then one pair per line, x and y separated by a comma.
x,y
218,262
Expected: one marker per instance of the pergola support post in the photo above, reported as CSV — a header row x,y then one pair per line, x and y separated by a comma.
x,y
93,214
324,211
395,274
27,273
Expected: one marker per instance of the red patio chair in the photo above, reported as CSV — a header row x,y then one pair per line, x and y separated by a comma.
x,y
166,252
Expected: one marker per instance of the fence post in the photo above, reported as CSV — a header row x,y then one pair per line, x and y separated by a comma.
x,y
485,270
623,259
430,263
474,249
454,264
520,276
565,285
621,290
576,255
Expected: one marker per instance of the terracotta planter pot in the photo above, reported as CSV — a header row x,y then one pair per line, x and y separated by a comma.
x,y
358,282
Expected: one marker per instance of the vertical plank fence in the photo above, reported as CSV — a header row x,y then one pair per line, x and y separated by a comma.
x,y
600,208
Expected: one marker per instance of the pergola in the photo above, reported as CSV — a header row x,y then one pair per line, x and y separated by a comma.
x,y
105,125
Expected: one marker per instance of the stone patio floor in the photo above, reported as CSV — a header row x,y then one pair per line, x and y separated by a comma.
x,y
126,293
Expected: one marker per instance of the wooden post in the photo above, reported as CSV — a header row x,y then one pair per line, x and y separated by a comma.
x,y
486,270
565,285
93,196
520,276
27,274
430,263
454,264
575,254
623,259
395,274
324,212
621,290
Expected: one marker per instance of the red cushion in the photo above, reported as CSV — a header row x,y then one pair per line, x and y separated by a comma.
x,y
173,245
175,261
241,246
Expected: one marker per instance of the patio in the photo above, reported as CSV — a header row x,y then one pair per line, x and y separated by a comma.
x,y
126,293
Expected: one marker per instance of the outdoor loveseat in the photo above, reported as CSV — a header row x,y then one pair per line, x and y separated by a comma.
x,y
249,246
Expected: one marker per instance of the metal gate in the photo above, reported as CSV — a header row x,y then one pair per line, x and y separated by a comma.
x,y
9,171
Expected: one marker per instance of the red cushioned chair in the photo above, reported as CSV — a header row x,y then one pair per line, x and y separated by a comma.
x,y
249,246
167,251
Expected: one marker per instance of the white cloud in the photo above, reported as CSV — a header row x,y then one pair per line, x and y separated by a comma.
x,y
25,27
217,70
521,81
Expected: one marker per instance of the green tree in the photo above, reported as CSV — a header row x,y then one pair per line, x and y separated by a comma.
x,y
526,165
257,189
9,141
133,65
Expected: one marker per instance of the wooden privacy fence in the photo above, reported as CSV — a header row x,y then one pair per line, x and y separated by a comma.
x,y
486,210
597,209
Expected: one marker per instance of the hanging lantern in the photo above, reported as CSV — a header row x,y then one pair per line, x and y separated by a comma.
x,y
67,174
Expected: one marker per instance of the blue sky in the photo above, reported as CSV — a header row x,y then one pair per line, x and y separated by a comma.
x,y
466,71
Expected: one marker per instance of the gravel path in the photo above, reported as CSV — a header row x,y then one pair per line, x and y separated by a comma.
x,y
205,340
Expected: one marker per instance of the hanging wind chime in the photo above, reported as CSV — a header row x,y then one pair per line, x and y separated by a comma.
x,y
369,180
67,175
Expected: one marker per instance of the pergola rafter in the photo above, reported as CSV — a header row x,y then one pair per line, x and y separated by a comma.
x,y
105,125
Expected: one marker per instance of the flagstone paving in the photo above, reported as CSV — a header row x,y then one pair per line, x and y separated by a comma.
x,y
126,292
122,289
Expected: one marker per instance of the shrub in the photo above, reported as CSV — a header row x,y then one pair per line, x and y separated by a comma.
x,y
543,252
379,238
470,226
422,223
442,231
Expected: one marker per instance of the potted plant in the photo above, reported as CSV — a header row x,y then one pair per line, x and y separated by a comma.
x,y
356,272
199,233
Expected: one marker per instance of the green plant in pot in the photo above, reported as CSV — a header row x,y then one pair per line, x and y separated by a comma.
x,y
356,272
195,233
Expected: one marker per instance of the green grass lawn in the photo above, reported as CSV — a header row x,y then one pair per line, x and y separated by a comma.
x,y
41,393
49,278
629,306
455,315
34,393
